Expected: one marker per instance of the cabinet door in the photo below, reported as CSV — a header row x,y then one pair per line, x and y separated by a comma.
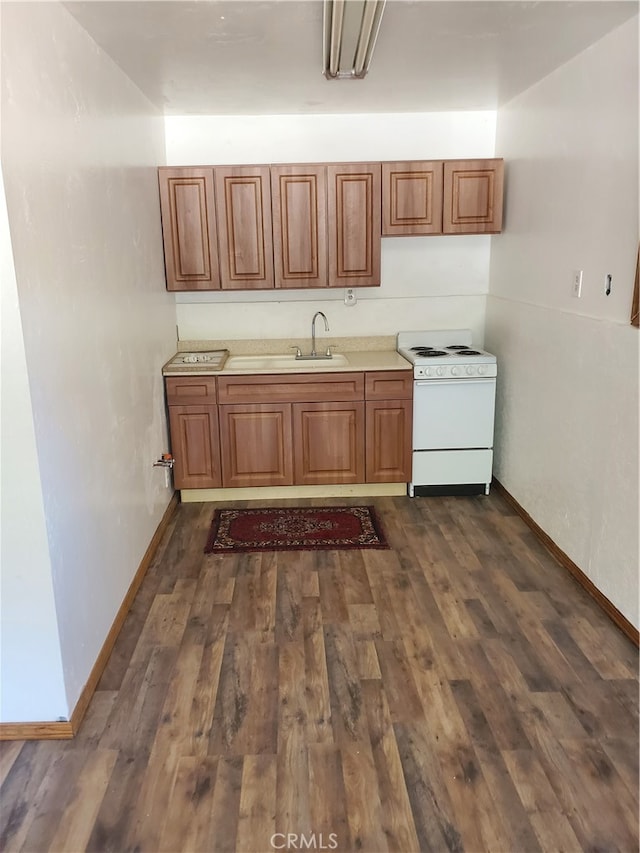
x,y
243,207
328,443
189,228
354,224
473,191
412,198
195,445
388,441
299,200
255,445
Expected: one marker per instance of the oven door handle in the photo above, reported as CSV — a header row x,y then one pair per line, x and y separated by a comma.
x,y
490,380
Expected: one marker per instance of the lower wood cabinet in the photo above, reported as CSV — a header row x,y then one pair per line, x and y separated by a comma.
x,y
328,443
389,426
255,443
283,430
193,426
388,441
195,444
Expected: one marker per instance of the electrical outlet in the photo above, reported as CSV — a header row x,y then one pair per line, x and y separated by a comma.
x,y
350,297
576,289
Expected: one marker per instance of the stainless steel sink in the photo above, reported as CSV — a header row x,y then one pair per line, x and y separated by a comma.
x,y
283,362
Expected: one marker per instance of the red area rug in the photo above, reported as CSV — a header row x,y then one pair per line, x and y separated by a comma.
x,y
294,529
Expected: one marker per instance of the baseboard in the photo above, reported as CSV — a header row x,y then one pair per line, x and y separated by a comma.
x,y
98,668
66,730
36,731
621,621
346,490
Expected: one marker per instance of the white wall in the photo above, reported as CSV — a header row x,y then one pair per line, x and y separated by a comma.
x,y
80,146
31,678
427,282
567,412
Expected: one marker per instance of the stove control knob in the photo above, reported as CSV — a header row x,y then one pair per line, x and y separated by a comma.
x,y
470,371
440,371
482,371
454,371
427,371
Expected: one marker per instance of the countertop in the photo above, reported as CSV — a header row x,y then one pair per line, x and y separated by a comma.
x,y
361,354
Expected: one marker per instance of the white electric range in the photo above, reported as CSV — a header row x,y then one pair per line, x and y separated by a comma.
x,y
453,412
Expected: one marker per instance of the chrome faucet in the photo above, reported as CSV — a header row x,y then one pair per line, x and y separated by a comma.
x,y
313,353
313,335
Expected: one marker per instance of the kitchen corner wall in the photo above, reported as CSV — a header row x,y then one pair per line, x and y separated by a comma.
x,y
80,147
567,408
427,282
31,677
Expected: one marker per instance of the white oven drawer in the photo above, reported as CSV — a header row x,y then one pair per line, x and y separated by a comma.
x,y
453,413
451,467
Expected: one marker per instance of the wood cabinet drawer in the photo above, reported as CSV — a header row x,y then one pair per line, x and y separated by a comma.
x,y
302,387
389,385
190,390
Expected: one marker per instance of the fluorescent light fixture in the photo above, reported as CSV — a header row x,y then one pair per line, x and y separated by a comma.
x,y
350,33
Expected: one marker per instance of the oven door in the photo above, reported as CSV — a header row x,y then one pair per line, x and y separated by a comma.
x,y
453,414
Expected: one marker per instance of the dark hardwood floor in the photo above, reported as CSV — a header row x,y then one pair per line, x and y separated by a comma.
x,y
457,692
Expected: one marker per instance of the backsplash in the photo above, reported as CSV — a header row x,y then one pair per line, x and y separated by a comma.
x,y
267,346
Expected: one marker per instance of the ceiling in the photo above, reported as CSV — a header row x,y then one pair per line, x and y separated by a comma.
x,y
258,57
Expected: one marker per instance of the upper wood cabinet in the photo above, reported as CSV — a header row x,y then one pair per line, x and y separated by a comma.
x,y
189,228
412,198
473,191
243,208
299,204
450,197
305,225
354,205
